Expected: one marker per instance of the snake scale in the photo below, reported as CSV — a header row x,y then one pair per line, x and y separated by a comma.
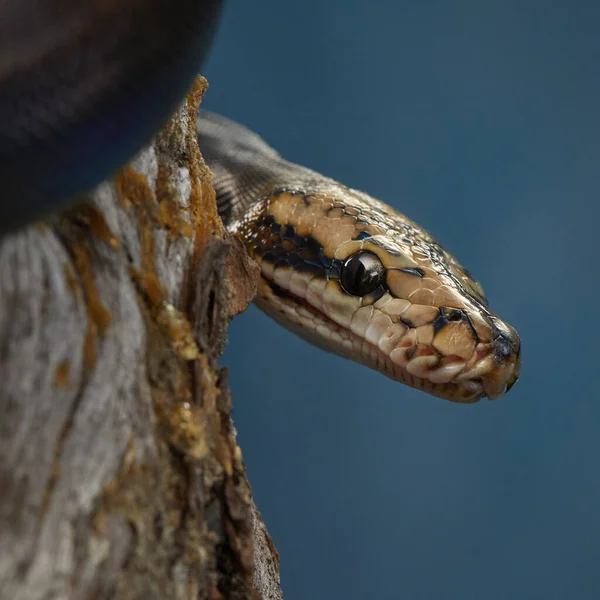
x,y
339,268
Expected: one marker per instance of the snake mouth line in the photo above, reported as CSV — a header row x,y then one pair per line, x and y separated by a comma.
x,y
302,318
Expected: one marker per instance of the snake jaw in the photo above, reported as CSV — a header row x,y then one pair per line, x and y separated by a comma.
x,y
496,376
395,351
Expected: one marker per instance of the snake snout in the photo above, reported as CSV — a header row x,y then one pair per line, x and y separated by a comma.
x,y
506,347
506,342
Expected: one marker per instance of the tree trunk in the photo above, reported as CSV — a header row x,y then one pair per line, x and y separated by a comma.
x,y
120,476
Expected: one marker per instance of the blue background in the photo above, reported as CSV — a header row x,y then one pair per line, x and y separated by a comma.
x,y
480,121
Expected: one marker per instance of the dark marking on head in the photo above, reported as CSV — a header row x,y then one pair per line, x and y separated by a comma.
x,y
416,271
333,273
453,315
382,242
269,256
278,291
303,266
288,232
325,260
304,254
313,246
410,352
270,222
444,318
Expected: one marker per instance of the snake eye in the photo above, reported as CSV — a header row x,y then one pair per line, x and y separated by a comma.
x,y
362,273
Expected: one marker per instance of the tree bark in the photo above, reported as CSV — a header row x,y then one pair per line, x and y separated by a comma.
x,y
120,475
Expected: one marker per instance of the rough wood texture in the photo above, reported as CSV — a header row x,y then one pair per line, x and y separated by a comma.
x,y
119,472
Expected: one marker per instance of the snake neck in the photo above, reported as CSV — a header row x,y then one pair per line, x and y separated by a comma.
x,y
245,168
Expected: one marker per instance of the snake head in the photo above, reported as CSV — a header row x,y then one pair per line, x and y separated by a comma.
x,y
355,277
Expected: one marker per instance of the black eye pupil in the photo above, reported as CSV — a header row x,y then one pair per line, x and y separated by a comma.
x,y
362,273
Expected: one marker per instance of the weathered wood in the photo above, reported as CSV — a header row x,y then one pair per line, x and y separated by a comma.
x,y
120,476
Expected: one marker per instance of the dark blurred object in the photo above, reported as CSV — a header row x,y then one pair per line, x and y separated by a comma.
x,y
83,85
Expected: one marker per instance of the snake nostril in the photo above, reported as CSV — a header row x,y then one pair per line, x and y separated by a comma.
x,y
503,345
505,340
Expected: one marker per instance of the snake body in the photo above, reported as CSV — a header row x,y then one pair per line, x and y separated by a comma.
x,y
354,276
